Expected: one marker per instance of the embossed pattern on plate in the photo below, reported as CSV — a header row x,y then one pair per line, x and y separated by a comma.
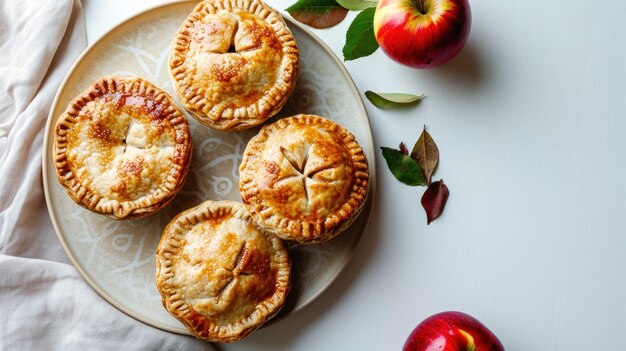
x,y
117,257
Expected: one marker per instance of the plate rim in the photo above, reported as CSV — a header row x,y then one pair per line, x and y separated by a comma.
x,y
47,158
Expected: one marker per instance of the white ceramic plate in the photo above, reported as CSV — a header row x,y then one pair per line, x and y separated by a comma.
x,y
117,257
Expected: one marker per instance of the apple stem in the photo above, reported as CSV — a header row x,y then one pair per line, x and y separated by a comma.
x,y
471,346
420,6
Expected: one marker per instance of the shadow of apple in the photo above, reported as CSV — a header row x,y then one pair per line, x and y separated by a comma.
x,y
466,70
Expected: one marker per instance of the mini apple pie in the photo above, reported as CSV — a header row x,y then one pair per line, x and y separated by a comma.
x,y
220,274
304,178
234,63
122,148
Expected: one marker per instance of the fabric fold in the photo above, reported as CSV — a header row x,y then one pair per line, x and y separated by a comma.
x,y
44,303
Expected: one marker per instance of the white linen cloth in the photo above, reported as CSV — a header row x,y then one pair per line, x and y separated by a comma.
x,y
44,303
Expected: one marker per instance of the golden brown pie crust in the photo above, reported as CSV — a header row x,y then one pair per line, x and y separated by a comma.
x,y
122,148
234,63
220,274
304,178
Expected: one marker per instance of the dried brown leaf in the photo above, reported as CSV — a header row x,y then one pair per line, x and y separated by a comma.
x,y
318,13
426,153
434,200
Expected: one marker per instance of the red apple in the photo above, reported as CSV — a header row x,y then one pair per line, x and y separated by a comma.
x,y
422,33
452,331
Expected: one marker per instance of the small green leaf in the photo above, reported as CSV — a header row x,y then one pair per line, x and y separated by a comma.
x,y
390,100
317,13
403,167
357,5
360,39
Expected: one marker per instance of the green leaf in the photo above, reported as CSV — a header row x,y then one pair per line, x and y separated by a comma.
x,y
403,167
391,100
360,39
317,13
357,5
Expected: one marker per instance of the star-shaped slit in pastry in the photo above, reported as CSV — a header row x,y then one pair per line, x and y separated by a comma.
x,y
238,269
302,170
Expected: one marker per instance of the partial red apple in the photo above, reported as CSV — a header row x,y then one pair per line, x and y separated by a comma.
x,y
422,33
452,331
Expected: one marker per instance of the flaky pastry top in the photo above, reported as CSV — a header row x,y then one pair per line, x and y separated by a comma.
x,y
304,178
122,148
234,63
220,274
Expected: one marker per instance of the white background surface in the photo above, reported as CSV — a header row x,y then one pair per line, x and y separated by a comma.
x,y
530,121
